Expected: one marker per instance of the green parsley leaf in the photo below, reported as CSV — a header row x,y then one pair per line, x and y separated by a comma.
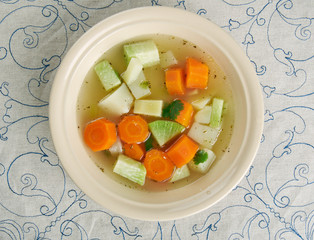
x,y
172,110
145,84
200,157
149,143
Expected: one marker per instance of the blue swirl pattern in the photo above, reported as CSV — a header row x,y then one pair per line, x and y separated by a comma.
x,y
275,200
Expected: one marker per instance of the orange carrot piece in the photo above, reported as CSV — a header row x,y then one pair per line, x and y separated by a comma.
x,y
100,134
185,116
134,151
196,74
158,165
182,151
175,81
133,129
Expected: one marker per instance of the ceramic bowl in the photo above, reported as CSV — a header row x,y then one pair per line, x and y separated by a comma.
x,y
196,196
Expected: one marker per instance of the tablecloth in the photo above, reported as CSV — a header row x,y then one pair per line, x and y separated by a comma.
x,y
275,199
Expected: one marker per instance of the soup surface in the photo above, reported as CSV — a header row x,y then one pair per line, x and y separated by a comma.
x,y
92,92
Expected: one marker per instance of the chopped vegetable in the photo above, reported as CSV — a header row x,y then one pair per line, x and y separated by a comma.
x,y
140,87
148,107
107,75
133,129
186,114
130,169
158,165
175,81
100,134
200,103
180,173
148,139
132,72
149,143
203,134
163,130
180,111
202,161
167,59
145,51
145,84
172,110
134,151
215,117
117,102
182,151
116,148
200,157
203,115
196,74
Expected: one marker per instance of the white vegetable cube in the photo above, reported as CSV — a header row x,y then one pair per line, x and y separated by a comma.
x,y
201,103
203,115
140,87
118,102
205,135
145,51
180,173
167,59
107,75
130,169
148,107
116,148
204,166
132,72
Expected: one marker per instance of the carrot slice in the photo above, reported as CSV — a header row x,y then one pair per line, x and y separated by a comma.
x,y
158,165
185,116
175,81
133,129
196,74
100,134
134,151
182,151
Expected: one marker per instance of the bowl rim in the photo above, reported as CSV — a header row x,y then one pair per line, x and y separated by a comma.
x,y
235,53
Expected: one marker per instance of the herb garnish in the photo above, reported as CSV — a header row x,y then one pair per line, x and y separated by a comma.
x,y
149,143
145,84
172,110
200,157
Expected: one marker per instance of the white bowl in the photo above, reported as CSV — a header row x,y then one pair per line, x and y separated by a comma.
x,y
196,196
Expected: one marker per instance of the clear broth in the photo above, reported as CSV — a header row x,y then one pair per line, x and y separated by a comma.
x,y
218,86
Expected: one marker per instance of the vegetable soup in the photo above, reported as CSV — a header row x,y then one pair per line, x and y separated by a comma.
x,y
156,113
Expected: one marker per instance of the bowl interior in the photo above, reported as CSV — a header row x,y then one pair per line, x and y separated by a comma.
x,y
180,202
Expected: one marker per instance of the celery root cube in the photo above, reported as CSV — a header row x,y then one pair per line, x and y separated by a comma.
x,y
140,87
180,173
205,135
167,59
117,102
203,167
148,107
201,103
132,72
203,115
